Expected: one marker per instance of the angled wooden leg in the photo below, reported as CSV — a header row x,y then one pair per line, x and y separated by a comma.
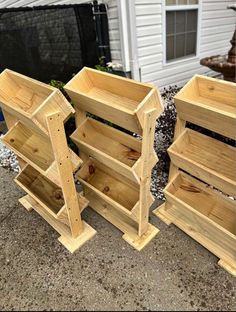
x,y
145,180
62,157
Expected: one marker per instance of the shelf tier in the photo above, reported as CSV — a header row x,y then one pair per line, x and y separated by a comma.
x,y
119,100
115,149
117,191
72,244
36,150
30,100
46,193
204,214
210,103
206,158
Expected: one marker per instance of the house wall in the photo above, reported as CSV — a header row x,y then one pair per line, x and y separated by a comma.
x,y
216,29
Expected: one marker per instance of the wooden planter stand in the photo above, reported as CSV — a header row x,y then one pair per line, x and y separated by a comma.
x,y
203,213
116,173
35,114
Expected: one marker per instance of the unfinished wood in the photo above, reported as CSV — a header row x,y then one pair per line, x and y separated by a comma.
x,y
72,244
160,212
110,187
179,128
111,97
29,145
204,214
30,100
208,159
227,267
147,152
116,149
122,222
36,150
45,192
210,103
62,157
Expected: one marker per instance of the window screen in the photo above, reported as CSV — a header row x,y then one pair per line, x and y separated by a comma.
x,y
181,33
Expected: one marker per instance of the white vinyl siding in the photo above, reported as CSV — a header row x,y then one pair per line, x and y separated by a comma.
x,y
216,29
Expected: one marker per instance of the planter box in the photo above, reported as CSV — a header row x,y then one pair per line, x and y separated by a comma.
x,y
206,158
113,148
46,193
119,100
205,215
36,150
210,103
110,186
31,101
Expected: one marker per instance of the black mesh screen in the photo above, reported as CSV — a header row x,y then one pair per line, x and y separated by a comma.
x,y
48,42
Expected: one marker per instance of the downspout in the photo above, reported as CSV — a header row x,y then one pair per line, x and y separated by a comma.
x,y
128,37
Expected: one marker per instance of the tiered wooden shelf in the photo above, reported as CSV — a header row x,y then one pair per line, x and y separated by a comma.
x,y
116,173
35,115
207,215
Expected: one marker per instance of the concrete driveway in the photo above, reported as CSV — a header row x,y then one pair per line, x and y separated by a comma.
x,y
37,273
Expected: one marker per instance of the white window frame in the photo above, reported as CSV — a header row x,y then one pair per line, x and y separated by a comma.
x,y
177,7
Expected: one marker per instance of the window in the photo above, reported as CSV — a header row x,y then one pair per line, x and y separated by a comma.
x,y
181,28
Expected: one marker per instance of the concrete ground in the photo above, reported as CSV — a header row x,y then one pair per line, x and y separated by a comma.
x,y
37,273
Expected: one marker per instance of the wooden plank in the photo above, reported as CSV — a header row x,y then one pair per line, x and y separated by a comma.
x,y
62,157
108,96
46,193
209,103
36,150
116,149
207,159
30,100
147,152
179,128
115,192
215,241
204,214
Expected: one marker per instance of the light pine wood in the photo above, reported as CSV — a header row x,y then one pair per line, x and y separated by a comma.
x,y
116,149
201,212
30,100
35,114
62,157
210,103
102,94
36,150
206,158
116,172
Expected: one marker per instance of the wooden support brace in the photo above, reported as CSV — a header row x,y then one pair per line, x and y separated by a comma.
x,y
62,157
147,154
